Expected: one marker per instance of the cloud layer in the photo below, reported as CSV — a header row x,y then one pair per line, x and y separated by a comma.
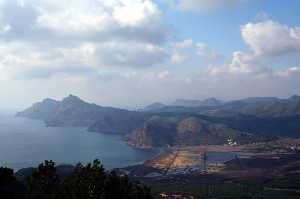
x,y
44,37
120,52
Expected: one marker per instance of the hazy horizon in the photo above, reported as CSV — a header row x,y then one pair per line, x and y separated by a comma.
x,y
136,106
131,53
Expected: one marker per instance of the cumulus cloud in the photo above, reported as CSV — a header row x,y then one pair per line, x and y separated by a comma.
x,y
205,51
266,41
188,49
288,71
101,18
129,54
241,63
187,43
40,38
134,14
270,38
178,58
163,75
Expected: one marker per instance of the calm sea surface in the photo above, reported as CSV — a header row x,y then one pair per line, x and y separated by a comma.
x,y
26,143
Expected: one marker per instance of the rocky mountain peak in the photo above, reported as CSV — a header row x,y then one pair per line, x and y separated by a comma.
x,y
72,99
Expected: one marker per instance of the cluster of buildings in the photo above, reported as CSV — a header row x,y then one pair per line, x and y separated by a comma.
x,y
230,142
175,196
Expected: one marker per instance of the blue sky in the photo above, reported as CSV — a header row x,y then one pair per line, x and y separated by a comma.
x,y
221,28
130,53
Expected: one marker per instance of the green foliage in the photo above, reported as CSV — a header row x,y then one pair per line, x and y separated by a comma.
x,y
44,182
85,182
92,182
6,176
8,184
89,181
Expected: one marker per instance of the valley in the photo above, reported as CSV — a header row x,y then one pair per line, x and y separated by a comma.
x,y
271,169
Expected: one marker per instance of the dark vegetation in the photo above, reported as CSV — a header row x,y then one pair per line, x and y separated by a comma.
x,y
89,181
187,130
92,181
214,186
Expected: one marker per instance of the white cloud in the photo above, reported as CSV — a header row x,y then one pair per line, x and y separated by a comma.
x,y
188,49
178,58
269,38
91,15
4,28
135,12
187,43
267,41
70,21
163,75
79,35
131,54
241,63
207,53
287,71
17,63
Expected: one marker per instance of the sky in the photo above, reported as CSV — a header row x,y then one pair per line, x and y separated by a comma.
x,y
130,53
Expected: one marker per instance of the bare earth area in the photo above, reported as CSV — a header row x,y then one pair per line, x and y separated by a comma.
x,y
186,157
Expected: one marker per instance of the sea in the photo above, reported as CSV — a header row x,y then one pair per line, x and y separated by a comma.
x,y
27,143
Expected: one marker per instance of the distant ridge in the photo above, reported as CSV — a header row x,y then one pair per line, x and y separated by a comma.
x,y
154,106
265,107
159,125
40,110
180,104
195,103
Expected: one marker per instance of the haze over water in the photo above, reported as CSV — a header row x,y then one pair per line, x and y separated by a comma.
x,y
25,143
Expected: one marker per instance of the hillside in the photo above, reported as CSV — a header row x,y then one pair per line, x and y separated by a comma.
x,y
161,131
154,106
72,111
41,110
266,107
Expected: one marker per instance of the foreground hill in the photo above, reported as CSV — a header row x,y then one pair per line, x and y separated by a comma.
x,y
160,131
49,181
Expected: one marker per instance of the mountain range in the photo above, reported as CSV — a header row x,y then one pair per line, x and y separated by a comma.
x,y
209,102
194,103
263,107
185,122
